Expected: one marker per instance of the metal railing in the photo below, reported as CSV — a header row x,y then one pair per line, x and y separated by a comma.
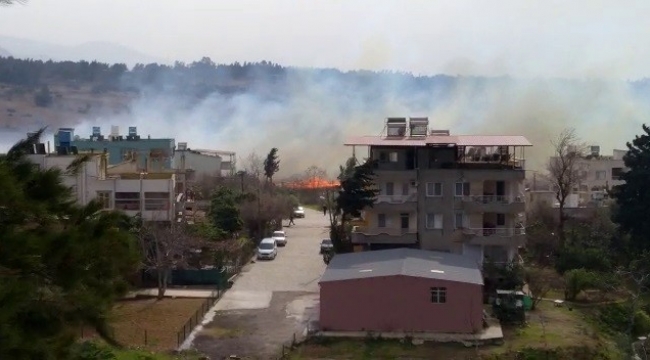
x,y
382,231
494,199
395,199
502,232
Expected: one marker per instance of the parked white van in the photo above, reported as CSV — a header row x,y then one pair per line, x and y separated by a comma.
x,y
267,249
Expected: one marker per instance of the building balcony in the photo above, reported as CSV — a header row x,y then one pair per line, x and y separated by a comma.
x,y
396,199
375,235
495,236
494,203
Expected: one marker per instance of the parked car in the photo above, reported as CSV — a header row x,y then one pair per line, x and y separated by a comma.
x,y
267,249
326,245
280,237
299,212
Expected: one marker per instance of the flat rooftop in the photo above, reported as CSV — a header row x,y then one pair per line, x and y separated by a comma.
x,y
438,140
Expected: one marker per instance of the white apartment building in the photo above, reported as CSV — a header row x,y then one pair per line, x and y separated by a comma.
x,y
598,174
151,194
204,162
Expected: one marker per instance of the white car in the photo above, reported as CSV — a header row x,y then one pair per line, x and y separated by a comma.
x,y
267,249
299,212
280,237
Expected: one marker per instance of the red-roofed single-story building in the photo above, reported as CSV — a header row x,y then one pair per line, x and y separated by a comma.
x,y
402,290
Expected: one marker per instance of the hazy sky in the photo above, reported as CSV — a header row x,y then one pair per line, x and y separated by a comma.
x,y
579,38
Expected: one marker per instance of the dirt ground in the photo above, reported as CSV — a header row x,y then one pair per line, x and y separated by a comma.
x,y
158,320
251,334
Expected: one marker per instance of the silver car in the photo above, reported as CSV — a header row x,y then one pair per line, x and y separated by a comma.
x,y
280,237
267,249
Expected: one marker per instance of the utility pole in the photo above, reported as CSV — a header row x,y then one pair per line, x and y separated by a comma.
x,y
259,213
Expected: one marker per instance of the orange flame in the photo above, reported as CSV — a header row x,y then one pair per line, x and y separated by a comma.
x,y
312,183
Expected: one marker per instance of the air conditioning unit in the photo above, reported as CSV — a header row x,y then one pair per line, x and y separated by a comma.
x,y
414,183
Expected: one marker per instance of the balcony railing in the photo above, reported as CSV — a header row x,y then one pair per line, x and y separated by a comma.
x,y
502,232
382,231
395,199
494,199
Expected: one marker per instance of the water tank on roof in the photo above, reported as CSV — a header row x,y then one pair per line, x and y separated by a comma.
x,y
133,131
97,131
65,137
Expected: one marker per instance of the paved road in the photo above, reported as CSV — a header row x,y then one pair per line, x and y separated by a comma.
x,y
271,300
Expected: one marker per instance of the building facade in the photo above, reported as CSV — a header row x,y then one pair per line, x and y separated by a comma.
x,y
453,193
401,290
151,154
599,174
204,162
151,194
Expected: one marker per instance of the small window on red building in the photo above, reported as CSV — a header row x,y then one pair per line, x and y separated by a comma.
x,y
438,295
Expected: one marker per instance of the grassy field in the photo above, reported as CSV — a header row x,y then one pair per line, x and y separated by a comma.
x,y
548,327
158,320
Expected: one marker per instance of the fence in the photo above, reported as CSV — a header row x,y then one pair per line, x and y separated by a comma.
x,y
287,347
196,319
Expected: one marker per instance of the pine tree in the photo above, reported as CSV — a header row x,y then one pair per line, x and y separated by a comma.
x,y
633,197
357,192
62,266
271,164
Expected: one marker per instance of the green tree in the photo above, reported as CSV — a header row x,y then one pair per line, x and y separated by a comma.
x,y
633,196
356,193
62,266
224,213
346,171
43,97
271,164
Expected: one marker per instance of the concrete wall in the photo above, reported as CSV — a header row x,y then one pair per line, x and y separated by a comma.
x,y
399,303
409,170
91,180
143,147
202,164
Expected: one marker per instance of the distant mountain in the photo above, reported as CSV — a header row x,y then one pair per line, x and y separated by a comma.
x,y
101,51
4,53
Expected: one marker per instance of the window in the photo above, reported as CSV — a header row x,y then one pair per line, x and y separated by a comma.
x,y
392,156
104,198
438,295
127,201
383,156
617,173
601,175
501,219
434,221
381,220
405,189
156,201
404,220
434,189
462,189
390,188
460,220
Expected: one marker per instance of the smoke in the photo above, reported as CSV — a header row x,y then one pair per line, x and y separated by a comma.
x,y
309,115
310,124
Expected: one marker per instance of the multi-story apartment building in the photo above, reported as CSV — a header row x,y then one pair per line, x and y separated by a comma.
x,y
455,193
204,162
149,153
599,174
150,193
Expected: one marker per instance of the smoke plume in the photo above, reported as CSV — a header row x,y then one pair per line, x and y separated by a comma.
x,y
309,116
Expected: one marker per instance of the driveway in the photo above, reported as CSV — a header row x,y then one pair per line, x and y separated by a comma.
x,y
271,300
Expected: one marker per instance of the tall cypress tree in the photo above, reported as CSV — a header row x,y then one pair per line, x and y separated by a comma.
x,y
633,197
